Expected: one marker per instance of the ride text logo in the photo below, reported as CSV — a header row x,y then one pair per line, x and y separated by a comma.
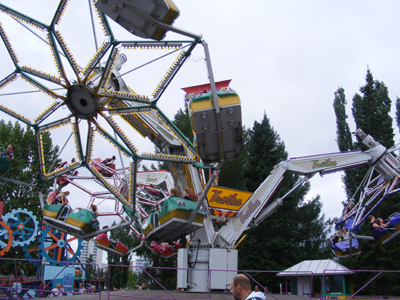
x,y
326,163
251,207
228,199
231,200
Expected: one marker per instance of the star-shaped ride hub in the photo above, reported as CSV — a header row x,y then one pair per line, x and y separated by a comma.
x,y
48,53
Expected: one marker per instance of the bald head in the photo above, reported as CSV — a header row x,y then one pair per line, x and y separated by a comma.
x,y
240,287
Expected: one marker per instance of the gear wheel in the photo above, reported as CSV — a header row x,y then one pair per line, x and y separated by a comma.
x,y
31,251
6,237
53,240
23,224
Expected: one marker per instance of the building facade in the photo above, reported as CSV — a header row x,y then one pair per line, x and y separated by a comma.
x,y
89,247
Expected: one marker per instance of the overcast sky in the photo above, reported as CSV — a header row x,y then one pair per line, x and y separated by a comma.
x,y
285,58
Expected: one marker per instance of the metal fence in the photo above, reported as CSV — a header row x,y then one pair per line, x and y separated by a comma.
x,y
13,286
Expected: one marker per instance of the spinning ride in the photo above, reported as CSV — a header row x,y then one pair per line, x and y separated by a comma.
x,y
94,101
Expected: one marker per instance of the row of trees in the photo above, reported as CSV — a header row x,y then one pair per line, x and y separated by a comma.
x,y
371,112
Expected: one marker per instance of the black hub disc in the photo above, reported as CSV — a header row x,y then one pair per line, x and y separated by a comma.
x,y
82,102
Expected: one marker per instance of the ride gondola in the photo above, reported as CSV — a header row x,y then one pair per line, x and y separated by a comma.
x,y
64,180
172,221
346,248
116,247
106,171
203,113
387,234
81,223
4,164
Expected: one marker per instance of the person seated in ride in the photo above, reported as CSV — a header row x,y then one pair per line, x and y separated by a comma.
x,y
386,224
348,209
373,224
345,232
9,152
190,195
73,172
61,198
174,192
109,161
338,237
93,210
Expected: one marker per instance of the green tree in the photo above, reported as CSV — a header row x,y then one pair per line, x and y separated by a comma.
x,y
297,230
119,275
231,174
131,280
25,168
371,111
344,138
182,121
91,269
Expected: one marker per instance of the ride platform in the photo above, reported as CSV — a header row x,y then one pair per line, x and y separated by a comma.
x,y
173,221
4,164
346,248
81,224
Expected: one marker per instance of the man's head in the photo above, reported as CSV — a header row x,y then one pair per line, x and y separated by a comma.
x,y
10,148
240,287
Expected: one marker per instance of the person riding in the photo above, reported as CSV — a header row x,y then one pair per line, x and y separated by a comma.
x,y
345,233
61,198
338,237
385,224
348,209
190,195
174,192
9,152
108,161
93,210
73,172
373,224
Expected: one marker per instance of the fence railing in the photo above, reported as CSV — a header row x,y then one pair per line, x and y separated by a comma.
x,y
17,286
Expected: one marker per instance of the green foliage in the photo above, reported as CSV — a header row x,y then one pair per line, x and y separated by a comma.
x,y
24,167
371,112
119,275
231,174
131,280
344,138
182,121
293,233
91,269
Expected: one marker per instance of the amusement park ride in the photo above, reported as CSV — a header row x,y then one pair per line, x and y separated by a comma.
x,y
95,101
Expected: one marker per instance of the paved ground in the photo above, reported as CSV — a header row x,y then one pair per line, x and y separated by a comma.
x,y
123,295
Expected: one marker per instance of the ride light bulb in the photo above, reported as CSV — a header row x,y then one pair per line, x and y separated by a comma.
x,y
205,126
230,110
204,115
